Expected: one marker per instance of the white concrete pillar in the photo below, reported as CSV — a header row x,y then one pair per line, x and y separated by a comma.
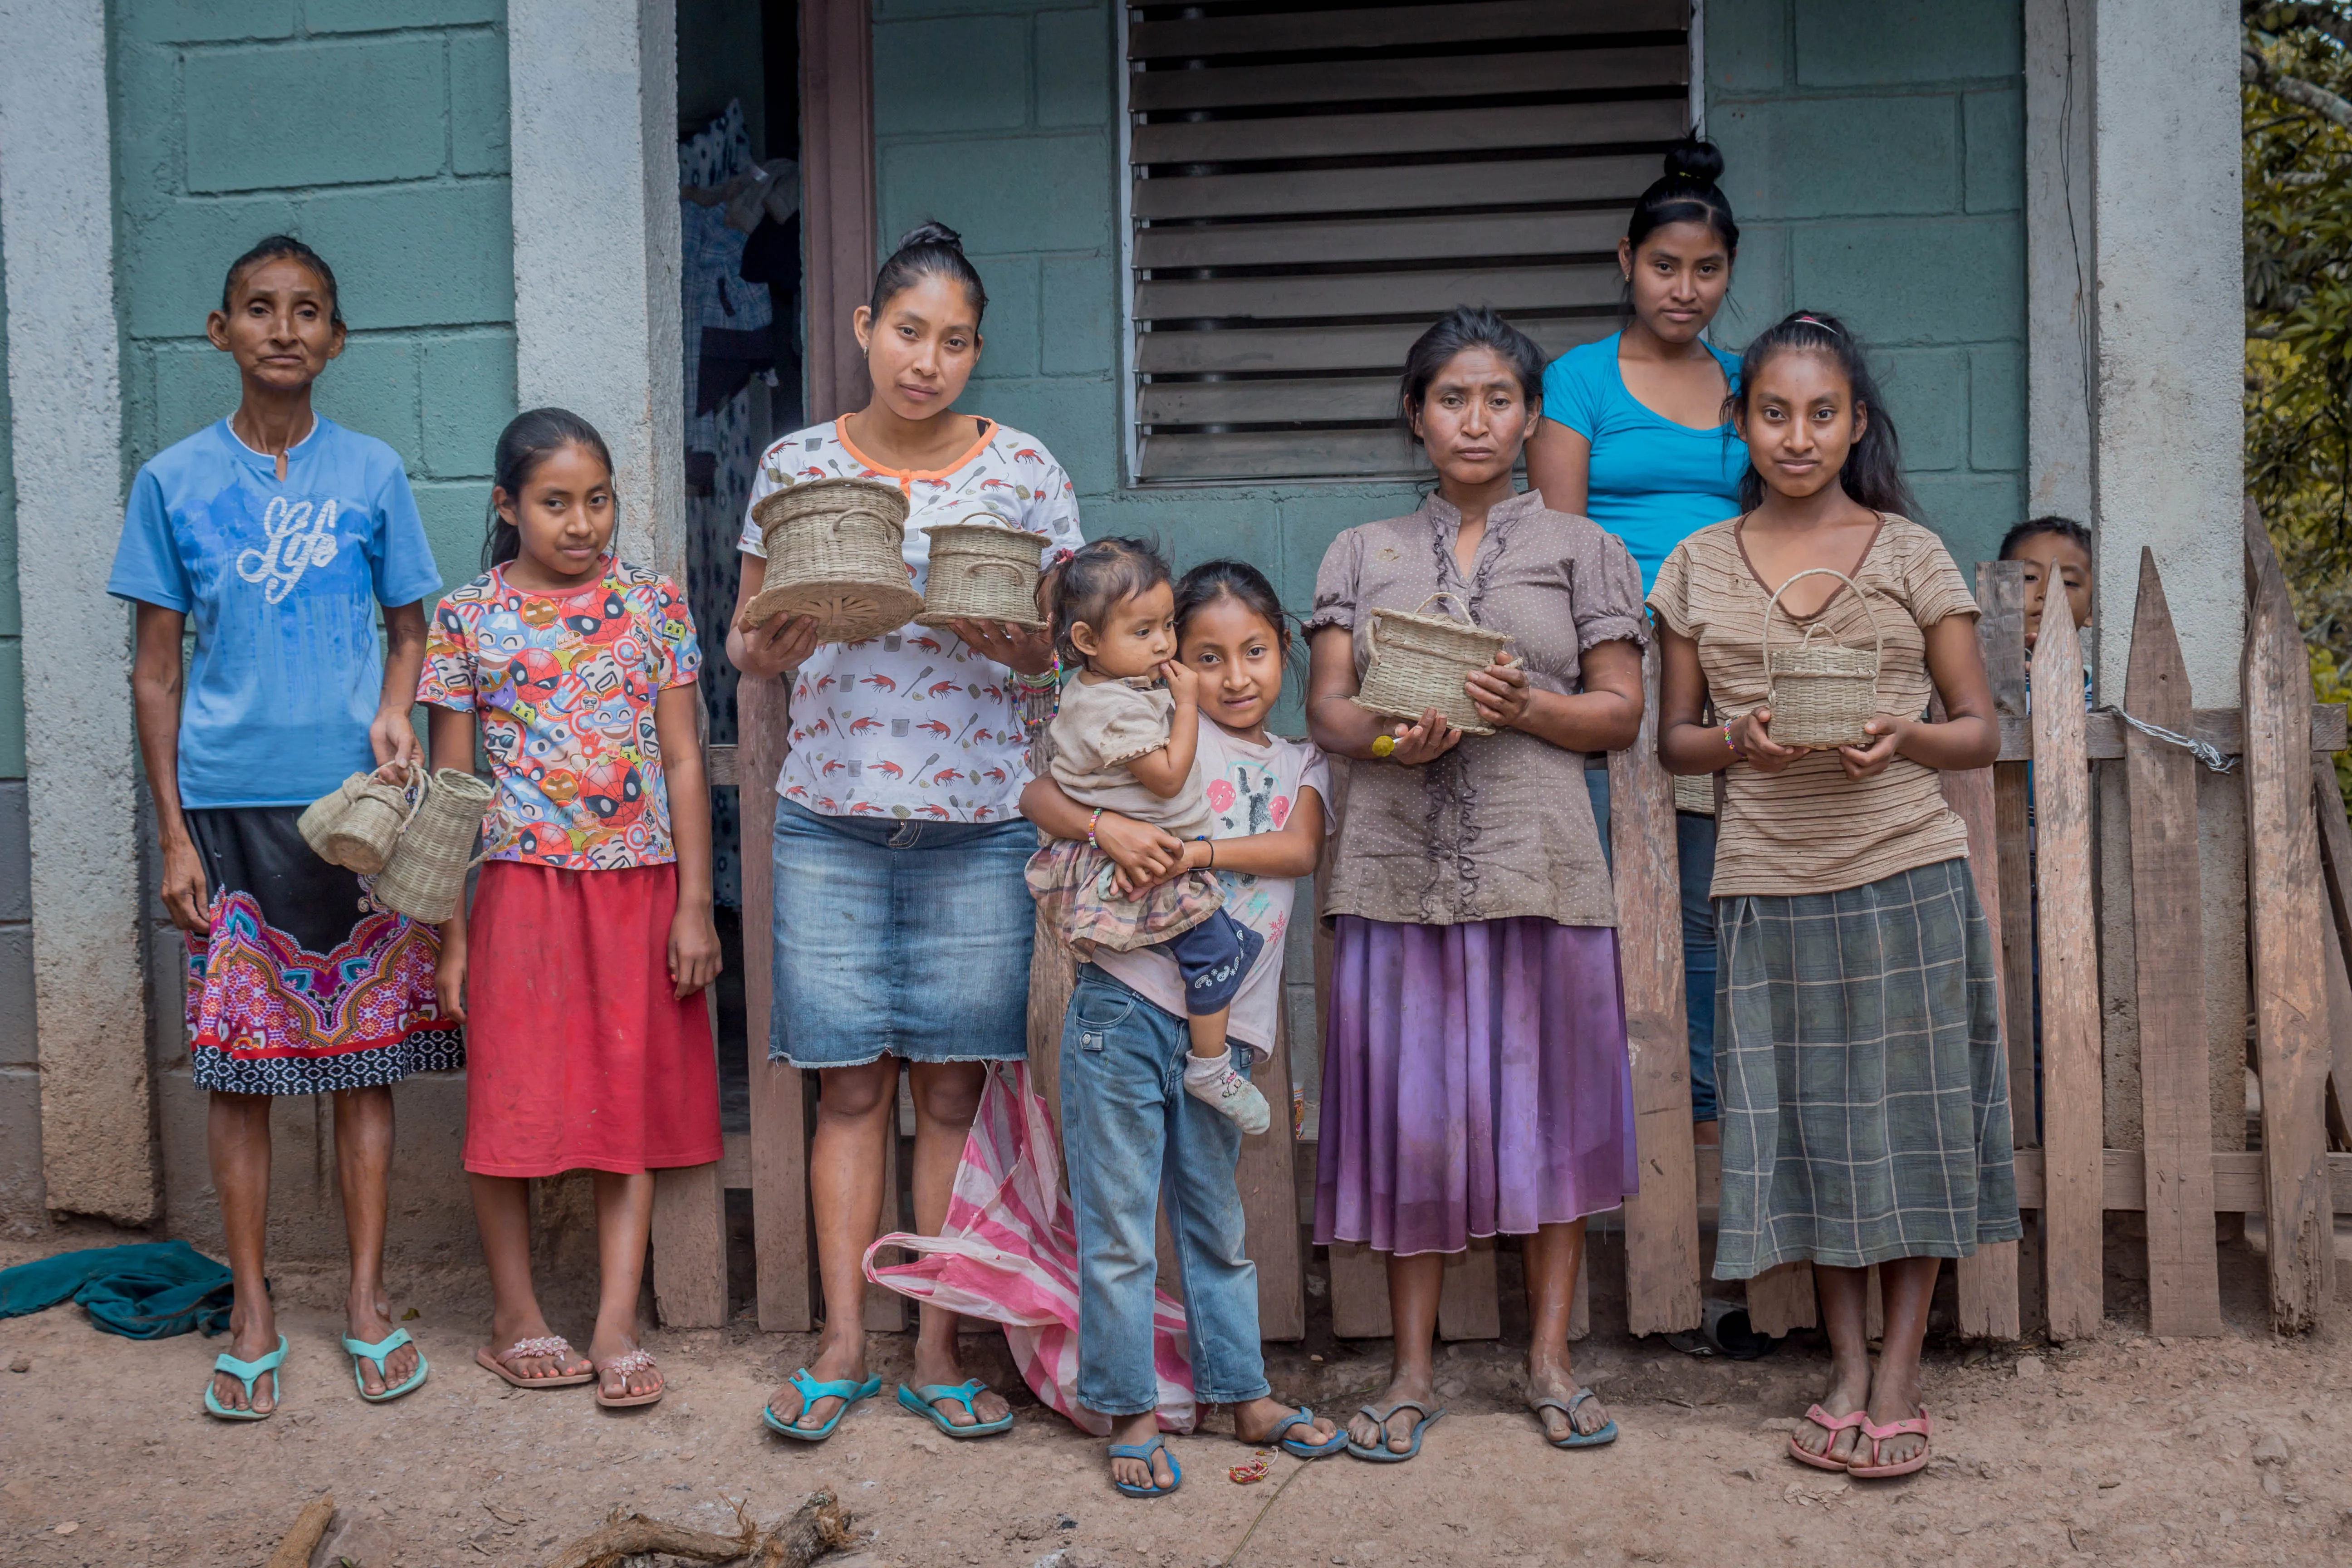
x,y
2167,453
2058,256
597,317
56,212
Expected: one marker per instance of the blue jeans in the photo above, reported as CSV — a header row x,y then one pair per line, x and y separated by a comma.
x,y
1132,1138
1694,852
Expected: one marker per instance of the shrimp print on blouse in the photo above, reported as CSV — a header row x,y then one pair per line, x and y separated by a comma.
x,y
565,684
913,723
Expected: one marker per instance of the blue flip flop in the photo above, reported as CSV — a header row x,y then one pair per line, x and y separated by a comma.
x,y
360,1350
1143,1451
849,1391
1575,1439
1381,1453
248,1372
918,1400
1300,1450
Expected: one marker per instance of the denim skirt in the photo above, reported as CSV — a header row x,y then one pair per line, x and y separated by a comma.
x,y
899,938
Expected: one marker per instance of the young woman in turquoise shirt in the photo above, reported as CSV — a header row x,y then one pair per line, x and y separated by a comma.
x,y
1635,437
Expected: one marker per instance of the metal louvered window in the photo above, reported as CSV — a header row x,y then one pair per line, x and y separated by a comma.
x,y
1312,183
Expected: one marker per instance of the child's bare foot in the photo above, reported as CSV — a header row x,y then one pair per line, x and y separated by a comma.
x,y
371,1321
1367,1433
838,1360
938,1364
1254,1422
1848,1392
252,1334
1549,1379
1126,1431
545,1354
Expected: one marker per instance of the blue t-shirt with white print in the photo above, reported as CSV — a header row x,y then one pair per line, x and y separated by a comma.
x,y
279,581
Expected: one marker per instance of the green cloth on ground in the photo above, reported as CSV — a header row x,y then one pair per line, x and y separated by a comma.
x,y
149,1291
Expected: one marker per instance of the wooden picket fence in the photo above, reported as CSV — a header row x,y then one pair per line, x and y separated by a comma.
x,y
2299,910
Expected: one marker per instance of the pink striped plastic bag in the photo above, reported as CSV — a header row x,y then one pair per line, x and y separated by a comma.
x,y
1008,1253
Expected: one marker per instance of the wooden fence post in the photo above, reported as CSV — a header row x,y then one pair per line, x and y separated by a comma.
x,y
1661,1253
2336,856
1987,1278
781,1236
2072,1222
1269,1189
2175,1076
2289,990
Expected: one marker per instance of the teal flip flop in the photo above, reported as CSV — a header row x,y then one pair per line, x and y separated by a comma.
x,y
918,1400
360,1350
248,1372
849,1391
1298,1448
1381,1453
1575,1439
1143,1451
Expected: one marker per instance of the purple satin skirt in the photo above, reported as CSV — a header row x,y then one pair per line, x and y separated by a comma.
x,y
1475,1081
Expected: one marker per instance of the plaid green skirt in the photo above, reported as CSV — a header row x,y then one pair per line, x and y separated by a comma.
x,y
1864,1092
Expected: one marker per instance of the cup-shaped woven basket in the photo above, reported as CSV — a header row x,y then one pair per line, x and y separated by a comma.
x,y
836,552
981,572
425,878
1419,662
358,823
1822,694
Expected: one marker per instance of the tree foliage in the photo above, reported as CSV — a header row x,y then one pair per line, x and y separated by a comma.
x,y
2298,231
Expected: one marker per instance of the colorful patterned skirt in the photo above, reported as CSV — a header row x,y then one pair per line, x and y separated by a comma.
x,y
300,987
1866,1095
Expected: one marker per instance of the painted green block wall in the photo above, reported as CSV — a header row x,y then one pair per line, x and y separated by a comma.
x,y
377,133
1875,153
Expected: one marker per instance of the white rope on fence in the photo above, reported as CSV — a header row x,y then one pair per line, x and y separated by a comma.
x,y
2205,752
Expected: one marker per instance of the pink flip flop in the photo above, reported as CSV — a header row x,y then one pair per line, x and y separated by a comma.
x,y
1832,1424
1919,1425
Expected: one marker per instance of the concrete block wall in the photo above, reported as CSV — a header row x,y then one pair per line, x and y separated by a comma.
x,y
21,1208
1875,158
376,131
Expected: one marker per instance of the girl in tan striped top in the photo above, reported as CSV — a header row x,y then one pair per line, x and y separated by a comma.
x,y
1858,1057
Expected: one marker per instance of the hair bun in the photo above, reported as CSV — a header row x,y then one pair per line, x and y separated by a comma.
x,y
931,233
1692,158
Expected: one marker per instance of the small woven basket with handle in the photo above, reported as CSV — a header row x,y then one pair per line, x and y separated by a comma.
x,y
358,823
1418,662
981,572
836,553
425,878
1822,694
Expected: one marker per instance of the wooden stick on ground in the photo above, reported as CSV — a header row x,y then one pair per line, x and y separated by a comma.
x,y
294,1552
820,1525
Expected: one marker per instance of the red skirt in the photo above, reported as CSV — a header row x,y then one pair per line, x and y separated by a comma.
x,y
577,1055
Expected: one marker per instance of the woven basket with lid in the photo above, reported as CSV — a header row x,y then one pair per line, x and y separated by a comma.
x,y
836,552
981,572
1418,662
1822,694
357,825
425,878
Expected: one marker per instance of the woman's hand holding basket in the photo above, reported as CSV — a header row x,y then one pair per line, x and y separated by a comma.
x,y
1887,733
1751,738
1500,692
1425,740
768,651
1018,649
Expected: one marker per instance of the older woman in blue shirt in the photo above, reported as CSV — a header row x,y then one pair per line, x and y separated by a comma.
x,y
1635,437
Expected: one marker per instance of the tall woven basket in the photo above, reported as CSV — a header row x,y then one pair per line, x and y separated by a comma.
x,y
981,572
358,824
1821,694
1419,662
425,878
836,552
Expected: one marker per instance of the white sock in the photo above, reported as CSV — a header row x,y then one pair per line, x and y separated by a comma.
x,y
1212,1081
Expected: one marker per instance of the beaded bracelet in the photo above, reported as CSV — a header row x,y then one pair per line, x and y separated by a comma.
x,y
1731,744
1091,821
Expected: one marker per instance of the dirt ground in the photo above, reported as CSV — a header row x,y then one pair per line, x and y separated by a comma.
x,y
2121,1449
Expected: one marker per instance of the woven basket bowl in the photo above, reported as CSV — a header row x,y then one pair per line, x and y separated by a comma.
x,y
1822,694
1419,662
1695,791
836,553
981,572
425,878
357,825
